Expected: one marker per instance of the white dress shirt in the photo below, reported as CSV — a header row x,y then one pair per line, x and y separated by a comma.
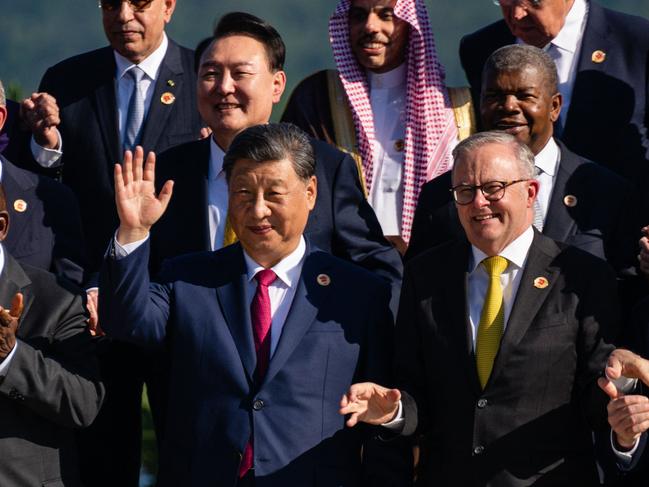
x,y
388,101
217,196
124,88
547,165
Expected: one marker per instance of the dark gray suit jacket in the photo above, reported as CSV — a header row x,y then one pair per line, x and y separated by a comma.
x,y
51,385
532,421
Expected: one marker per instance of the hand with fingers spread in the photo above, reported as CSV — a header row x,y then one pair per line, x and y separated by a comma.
x,y
370,403
9,319
138,206
40,113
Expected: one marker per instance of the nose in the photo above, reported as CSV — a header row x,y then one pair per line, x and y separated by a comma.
x,y
260,209
225,83
519,12
509,103
479,200
125,12
371,23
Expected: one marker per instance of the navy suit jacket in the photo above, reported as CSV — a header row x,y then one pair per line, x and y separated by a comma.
x,y
604,222
84,87
607,117
334,335
47,232
342,222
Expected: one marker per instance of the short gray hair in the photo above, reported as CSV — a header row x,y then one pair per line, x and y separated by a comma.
x,y
523,154
272,142
3,97
517,57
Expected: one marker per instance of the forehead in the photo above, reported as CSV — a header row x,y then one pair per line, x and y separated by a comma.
x,y
373,4
235,48
528,76
490,162
266,171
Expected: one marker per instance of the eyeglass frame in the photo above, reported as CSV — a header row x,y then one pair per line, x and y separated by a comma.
x,y
476,187
130,3
535,3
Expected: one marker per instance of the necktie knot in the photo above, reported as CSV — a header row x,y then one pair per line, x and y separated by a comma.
x,y
265,277
495,265
135,73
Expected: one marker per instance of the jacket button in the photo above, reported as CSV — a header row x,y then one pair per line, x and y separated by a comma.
x,y
258,405
482,403
478,450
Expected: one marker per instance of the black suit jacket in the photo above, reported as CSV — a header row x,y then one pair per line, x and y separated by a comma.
x,y
341,223
51,385
84,87
604,221
607,117
530,422
47,233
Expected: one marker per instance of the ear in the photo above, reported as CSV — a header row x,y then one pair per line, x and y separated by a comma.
x,y
4,224
311,192
169,7
3,116
556,102
532,192
279,84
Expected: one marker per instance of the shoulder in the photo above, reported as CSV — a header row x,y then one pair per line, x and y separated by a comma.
x,y
85,61
312,85
588,174
436,192
627,24
45,285
184,158
495,33
326,152
577,265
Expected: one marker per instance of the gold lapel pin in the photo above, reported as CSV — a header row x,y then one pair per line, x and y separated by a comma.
x,y
167,98
541,282
570,200
171,83
399,145
598,56
20,205
323,279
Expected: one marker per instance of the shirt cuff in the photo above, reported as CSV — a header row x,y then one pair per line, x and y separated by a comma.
x,y
122,251
5,363
47,157
627,459
396,424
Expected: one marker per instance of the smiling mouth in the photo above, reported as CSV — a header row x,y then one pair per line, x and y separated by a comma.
x,y
260,229
482,218
227,106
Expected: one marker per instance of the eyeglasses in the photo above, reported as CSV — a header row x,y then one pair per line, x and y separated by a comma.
x,y
113,5
525,4
464,194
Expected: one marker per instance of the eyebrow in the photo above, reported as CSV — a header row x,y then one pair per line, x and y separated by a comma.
x,y
214,64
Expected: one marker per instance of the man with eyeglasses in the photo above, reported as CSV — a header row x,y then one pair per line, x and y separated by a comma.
x,y
140,90
601,57
499,340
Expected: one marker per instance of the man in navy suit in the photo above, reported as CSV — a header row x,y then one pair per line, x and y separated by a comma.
x,y
520,96
602,58
139,90
264,335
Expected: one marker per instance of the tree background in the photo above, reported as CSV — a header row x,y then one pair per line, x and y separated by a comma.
x,y
36,34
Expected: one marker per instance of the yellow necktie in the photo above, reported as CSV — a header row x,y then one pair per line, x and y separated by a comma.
x,y
492,319
229,236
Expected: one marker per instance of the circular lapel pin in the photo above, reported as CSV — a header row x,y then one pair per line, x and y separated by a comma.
x,y
541,282
399,145
20,205
570,200
171,83
598,56
167,98
323,279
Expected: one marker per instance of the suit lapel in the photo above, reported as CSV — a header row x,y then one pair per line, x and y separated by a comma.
x,y
232,299
559,224
309,298
529,297
105,102
170,81
595,38
17,186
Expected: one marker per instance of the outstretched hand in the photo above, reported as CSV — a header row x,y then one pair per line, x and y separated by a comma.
x,y
138,206
9,319
370,403
623,363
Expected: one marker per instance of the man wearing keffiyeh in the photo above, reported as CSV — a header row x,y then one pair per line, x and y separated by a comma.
x,y
387,104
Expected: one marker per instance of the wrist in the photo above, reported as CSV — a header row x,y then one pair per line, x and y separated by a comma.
x,y
623,444
49,139
126,235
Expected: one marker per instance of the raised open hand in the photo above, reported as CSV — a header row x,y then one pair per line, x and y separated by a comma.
x,y
138,206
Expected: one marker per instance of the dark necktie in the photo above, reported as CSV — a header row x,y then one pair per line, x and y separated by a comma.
x,y
261,320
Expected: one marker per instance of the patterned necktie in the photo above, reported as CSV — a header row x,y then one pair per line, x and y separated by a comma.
x,y
538,214
563,72
135,116
261,321
492,319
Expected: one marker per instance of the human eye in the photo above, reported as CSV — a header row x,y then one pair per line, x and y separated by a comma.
x,y
492,187
386,14
357,15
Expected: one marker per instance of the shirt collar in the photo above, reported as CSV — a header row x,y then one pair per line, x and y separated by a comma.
x,y
515,252
548,159
216,160
570,34
391,79
287,270
150,66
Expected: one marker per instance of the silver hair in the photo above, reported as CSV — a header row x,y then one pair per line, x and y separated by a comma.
x,y
523,154
517,57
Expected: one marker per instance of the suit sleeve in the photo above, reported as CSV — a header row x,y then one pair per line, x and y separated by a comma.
x,y
130,307
57,376
358,234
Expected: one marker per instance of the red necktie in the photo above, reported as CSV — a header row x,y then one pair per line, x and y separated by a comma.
x,y
261,320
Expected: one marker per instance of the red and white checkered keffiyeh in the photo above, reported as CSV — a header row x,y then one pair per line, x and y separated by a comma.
x,y
431,132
